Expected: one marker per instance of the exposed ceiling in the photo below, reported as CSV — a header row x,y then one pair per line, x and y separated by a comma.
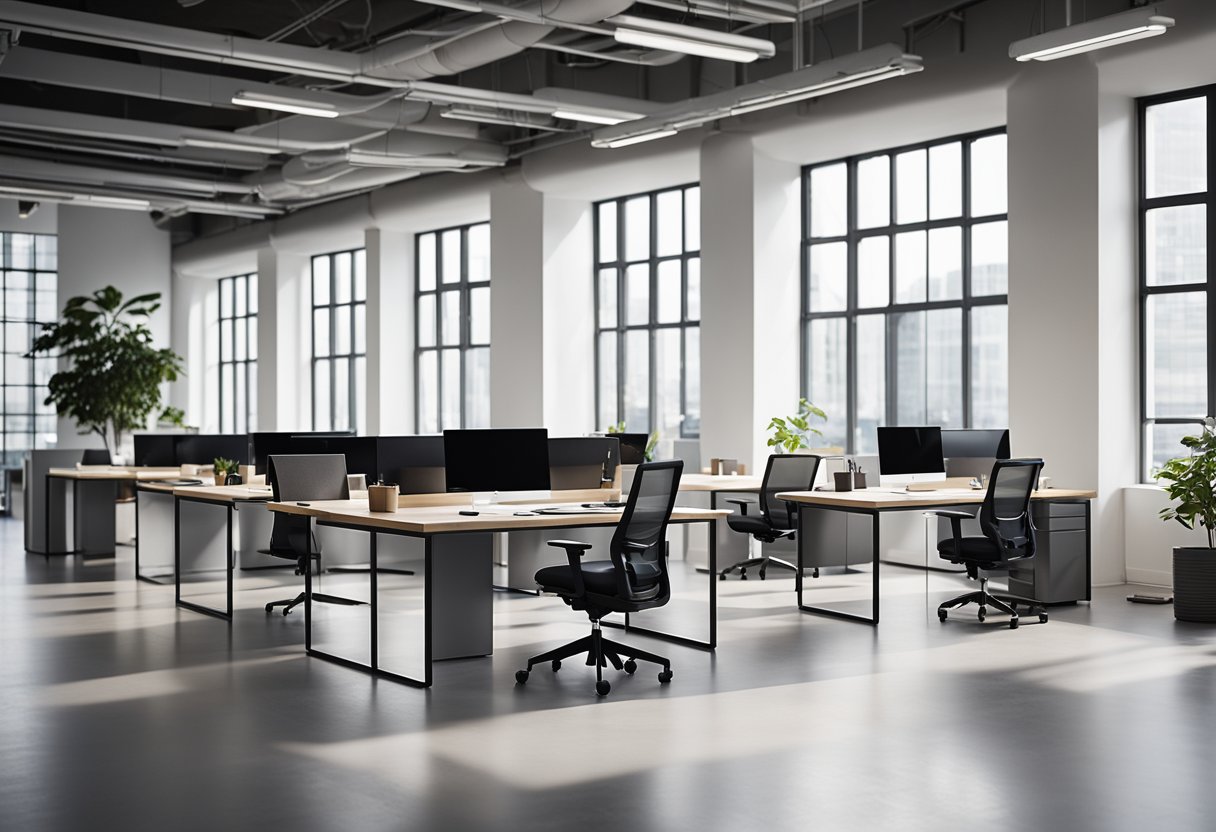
x,y
253,108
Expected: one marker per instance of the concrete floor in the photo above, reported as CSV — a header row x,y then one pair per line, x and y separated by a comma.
x,y
120,712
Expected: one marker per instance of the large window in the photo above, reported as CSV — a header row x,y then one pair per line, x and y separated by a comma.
x,y
904,293
453,328
339,341
29,266
648,310
1176,305
239,354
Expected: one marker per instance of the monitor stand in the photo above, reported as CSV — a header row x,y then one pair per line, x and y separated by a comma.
x,y
903,480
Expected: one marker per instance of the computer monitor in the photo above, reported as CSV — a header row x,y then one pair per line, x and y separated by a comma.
x,y
157,450
910,450
581,462
412,463
499,459
264,443
205,448
976,443
633,447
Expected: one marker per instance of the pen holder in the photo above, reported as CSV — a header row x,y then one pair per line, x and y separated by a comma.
x,y
859,479
844,480
382,498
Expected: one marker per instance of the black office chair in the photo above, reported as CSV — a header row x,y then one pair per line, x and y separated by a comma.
x,y
634,579
1008,535
303,477
96,456
777,518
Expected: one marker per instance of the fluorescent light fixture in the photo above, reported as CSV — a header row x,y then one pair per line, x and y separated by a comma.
x,y
1093,34
224,144
689,40
26,208
285,104
481,116
364,159
816,90
589,118
637,138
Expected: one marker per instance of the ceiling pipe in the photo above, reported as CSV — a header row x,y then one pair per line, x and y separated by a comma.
x,y
46,170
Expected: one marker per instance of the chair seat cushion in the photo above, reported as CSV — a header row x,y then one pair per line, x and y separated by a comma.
x,y
974,549
599,576
748,523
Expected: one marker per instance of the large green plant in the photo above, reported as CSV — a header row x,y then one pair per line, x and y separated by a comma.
x,y
794,432
1189,482
114,373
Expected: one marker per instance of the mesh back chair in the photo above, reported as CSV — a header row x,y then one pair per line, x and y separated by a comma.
x,y
96,456
301,477
1007,535
634,579
777,518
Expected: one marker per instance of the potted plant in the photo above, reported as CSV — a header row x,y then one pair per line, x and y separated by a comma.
x,y
791,434
114,374
226,471
1190,481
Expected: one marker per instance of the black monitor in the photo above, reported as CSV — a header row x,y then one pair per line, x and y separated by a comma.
x,y
633,447
264,443
582,461
910,450
157,450
501,459
205,448
976,443
413,463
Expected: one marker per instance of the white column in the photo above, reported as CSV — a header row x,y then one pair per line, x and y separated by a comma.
x,y
390,332
569,318
283,383
749,296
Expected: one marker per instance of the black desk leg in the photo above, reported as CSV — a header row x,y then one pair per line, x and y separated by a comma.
x,y
229,560
871,619
373,557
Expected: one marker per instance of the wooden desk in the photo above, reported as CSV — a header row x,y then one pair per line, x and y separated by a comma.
x,y
457,578
871,502
96,489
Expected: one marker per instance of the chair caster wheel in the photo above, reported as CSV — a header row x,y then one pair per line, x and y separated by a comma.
x,y
763,575
1042,618
602,687
941,615
742,575
722,577
631,666
815,573
982,614
1013,623
521,677
286,611
270,608
557,665
665,676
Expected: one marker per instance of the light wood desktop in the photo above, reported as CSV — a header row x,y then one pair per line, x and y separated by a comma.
x,y
94,490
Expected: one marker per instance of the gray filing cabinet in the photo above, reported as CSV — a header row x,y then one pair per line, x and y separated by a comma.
x,y
1059,571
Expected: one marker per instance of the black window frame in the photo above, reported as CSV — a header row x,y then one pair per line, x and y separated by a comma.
x,y
652,326
230,420
36,393
464,288
1144,204
966,302
354,356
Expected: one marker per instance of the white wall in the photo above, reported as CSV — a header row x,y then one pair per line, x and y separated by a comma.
x,y
45,220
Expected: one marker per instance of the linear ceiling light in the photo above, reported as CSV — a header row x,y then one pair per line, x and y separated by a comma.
x,y
486,116
284,104
689,40
1093,34
637,138
222,144
589,118
815,90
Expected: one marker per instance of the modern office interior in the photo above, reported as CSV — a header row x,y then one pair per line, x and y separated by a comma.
x,y
492,307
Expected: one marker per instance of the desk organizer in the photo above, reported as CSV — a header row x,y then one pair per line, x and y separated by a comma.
x,y
382,498
843,480
859,479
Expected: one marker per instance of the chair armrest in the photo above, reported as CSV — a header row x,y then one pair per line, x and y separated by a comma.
x,y
636,547
574,551
742,504
571,545
961,515
956,519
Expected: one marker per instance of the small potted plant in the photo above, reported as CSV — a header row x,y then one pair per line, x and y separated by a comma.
x,y
791,434
1190,481
226,471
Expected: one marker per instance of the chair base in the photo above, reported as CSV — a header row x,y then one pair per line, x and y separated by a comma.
x,y
600,651
1004,603
289,604
763,562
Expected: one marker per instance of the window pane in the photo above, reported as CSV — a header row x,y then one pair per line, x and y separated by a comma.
x,y
871,381
694,289
874,272
477,388
361,329
479,315
1175,147
874,192
426,262
426,321
239,339
607,232
479,253
359,267
692,381
320,332
669,291
990,367
238,296
428,392
990,258
451,389
225,298
910,184
1176,243
342,278
637,228
361,395
451,317
637,381
341,395
827,377
1164,442
828,272
945,263
910,267
928,371
239,404
607,380
322,418
989,178
607,298
668,383
637,294
945,181
253,338
21,251
320,281
670,209
829,200
1176,355
47,256
692,219
342,332
226,396
253,294
908,329
225,340
451,256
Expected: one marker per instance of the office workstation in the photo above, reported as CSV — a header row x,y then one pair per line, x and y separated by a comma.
x,y
752,414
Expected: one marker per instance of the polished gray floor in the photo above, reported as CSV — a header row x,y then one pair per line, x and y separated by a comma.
x,y
120,712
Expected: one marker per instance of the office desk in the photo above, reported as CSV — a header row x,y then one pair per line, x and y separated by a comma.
x,y
456,577
94,492
712,491
816,507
